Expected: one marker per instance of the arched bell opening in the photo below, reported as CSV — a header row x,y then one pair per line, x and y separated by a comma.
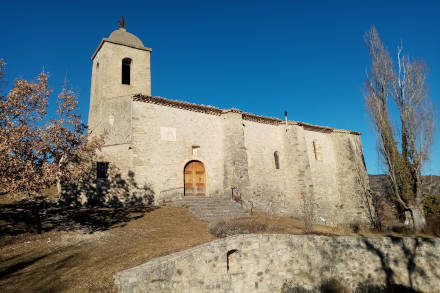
x,y
126,70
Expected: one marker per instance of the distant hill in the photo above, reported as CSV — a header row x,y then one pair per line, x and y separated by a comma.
x,y
380,184
387,208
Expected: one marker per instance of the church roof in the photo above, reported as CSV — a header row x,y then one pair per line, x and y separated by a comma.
x,y
246,116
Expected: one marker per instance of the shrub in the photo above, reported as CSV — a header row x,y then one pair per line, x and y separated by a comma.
x,y
401,229
431,205
326,286
333,286
226,228
433,226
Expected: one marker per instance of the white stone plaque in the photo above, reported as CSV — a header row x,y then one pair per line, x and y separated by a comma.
x,y
168,133
111,120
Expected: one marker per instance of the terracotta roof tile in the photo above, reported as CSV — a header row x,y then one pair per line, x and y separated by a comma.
x,y
217,111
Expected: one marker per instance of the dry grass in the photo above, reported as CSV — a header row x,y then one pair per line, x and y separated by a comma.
x,y
48,194
79,250
264,223
63,261
260,222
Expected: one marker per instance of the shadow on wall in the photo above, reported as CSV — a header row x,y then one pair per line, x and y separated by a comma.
x,y
113,190
335,286
410,254
407,266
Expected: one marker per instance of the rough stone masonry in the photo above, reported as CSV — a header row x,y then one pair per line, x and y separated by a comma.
x,y
271,164
270,263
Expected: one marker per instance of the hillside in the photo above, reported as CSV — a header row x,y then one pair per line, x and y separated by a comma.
x,y
379,184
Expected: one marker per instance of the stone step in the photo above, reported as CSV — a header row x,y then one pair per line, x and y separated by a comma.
x,y
217,212
229,216
207,210
212,208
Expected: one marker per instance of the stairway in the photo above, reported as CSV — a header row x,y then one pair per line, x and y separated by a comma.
x,y
211,208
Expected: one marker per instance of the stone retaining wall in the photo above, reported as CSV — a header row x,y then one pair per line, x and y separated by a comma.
x,y
275,263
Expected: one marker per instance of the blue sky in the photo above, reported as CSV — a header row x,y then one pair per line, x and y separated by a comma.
x,y
264,57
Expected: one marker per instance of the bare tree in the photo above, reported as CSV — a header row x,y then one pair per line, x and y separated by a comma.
x,y
36,151
405,147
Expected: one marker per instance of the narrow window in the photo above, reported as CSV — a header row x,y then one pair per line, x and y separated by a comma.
x,y
276,157
126,65
317,150
101,170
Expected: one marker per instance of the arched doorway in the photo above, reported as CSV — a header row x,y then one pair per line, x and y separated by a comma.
x,y
195,179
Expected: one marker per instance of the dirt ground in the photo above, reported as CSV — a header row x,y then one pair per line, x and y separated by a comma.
x,y
47,248
82,255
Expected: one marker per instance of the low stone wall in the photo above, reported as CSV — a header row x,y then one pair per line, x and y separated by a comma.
x,y
289,263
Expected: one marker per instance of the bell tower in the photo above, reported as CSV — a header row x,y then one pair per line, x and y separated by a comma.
x,y
120,67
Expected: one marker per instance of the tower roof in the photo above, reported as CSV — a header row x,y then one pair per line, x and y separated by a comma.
x,y
122,37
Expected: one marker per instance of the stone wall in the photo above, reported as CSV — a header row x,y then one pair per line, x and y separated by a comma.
x,y
272,263
112,117
165,139
300,182
336,174
350,170
325,187
235,164
267,184
326,195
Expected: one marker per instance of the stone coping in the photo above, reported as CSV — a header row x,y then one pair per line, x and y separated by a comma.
x,y
118,43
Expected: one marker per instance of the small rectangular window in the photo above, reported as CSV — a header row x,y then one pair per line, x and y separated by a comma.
x,y
101,170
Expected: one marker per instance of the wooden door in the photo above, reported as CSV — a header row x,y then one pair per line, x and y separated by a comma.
x,y
195,179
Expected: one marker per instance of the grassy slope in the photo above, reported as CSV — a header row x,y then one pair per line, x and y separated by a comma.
x,y
79,249
74,261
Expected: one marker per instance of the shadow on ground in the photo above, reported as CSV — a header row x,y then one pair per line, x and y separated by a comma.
x,y
41,271
40,215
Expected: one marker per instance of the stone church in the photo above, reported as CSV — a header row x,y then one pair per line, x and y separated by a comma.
x,y
184,149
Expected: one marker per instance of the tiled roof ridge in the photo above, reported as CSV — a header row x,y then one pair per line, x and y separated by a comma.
x,y
217,111
178,104
328,128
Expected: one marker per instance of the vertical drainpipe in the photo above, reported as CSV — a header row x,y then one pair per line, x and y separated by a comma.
x,y
285,116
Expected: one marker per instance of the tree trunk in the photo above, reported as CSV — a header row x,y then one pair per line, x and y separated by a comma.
x,y
59,188
418,218
58,176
